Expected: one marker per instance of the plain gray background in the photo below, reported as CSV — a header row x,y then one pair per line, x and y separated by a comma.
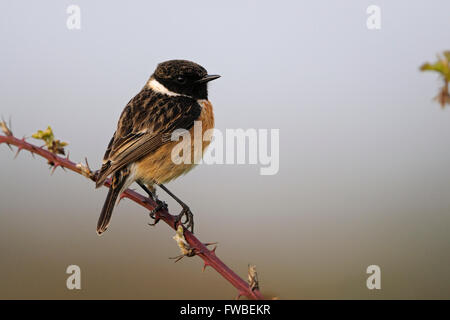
x,y
364,159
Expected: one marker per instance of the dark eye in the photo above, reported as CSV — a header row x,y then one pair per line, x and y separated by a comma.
x,y
181,79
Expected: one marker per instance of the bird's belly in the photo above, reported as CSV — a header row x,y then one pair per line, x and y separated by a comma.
x,y
158,167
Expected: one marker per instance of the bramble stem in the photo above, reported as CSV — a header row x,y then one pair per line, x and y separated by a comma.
x,y
208,256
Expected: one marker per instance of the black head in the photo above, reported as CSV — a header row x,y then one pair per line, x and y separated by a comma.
x,y
184,77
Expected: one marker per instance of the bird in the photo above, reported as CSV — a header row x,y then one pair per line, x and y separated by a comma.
x,y
175,96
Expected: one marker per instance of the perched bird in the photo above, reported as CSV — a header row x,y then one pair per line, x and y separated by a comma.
x,y
140,150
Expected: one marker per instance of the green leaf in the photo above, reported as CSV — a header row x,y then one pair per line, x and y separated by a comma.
x,y
441,66
52,144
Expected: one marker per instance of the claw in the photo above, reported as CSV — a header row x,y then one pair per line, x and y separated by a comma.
x,y
189,222
155,219
161,205
154,223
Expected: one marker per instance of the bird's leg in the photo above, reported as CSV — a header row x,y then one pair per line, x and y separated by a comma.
x,y
184,212
159,204
151,193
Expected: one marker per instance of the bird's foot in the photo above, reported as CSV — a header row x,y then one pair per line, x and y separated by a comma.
x,y
189,222
161,205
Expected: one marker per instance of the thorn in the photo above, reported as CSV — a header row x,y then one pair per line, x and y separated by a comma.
x,y
18,151
9,146
206,244
56,161
55,165
240,294
209,243
122,195
68,153
204,266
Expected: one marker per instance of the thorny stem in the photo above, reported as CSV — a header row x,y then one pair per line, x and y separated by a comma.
x,y
208,256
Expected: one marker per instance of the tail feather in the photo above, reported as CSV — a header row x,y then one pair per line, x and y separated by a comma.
x,y
108,206
120,181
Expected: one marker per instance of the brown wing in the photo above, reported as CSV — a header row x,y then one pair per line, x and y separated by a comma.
x,y
146,124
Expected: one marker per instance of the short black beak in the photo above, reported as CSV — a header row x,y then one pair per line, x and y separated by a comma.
x,y
208,78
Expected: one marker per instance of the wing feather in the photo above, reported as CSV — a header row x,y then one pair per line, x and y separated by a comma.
x,y
145,125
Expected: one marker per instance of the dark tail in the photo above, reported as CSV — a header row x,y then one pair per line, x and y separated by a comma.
x,y
105,215
118,183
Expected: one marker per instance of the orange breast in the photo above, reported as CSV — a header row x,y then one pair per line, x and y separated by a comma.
x,y
158,167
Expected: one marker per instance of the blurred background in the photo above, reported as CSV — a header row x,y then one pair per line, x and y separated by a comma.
x,y
364,150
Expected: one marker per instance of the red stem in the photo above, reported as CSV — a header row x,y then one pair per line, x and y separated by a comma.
x,y
209,257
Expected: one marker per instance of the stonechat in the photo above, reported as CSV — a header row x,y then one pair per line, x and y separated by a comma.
x,y
140,150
